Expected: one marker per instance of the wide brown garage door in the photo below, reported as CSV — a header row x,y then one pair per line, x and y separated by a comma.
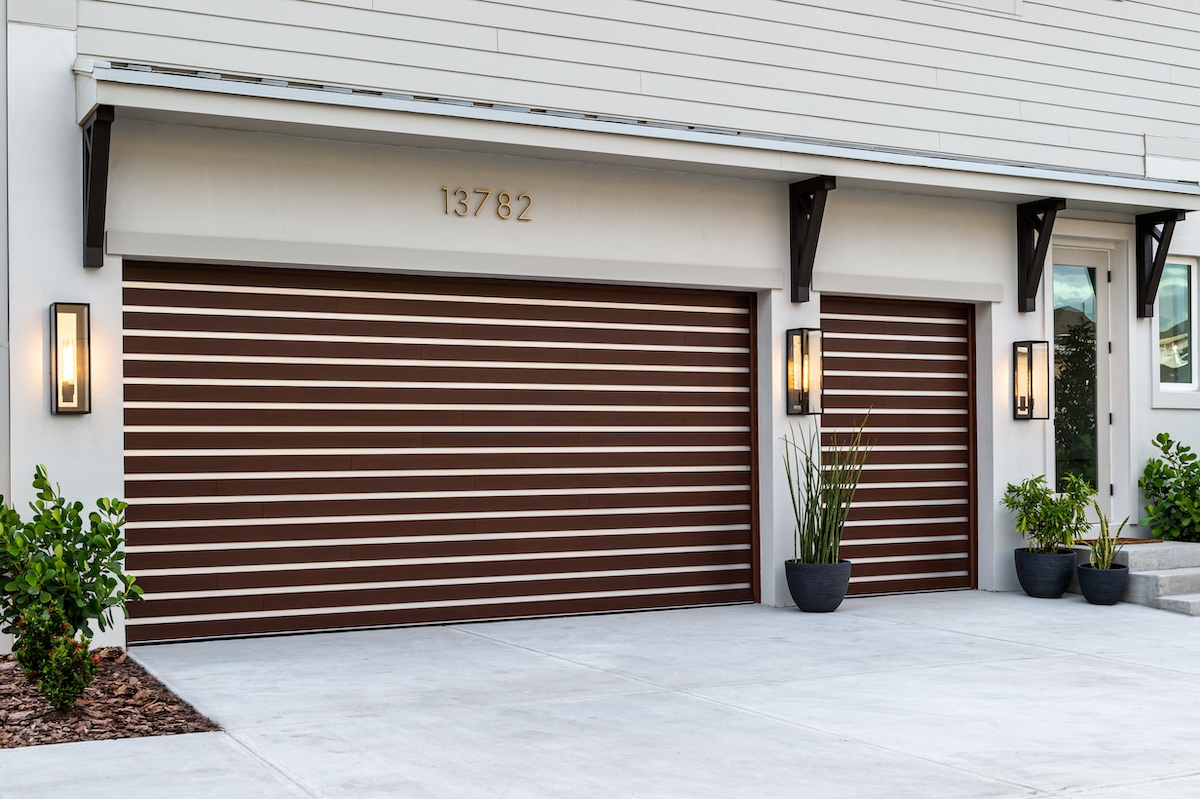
x,y
315,450
910,364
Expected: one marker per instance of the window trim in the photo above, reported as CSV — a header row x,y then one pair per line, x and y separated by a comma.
x,y
1176,395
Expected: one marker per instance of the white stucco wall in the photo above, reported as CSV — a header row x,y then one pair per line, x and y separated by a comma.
x,y
82,453
385,207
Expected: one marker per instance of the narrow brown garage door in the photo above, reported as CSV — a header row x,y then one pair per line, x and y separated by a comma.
x,y
313,450
911,527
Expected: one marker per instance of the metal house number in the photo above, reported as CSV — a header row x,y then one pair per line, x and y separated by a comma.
x,y
475,202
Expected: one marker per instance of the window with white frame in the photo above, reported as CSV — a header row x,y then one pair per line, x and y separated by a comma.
x,y
1177,377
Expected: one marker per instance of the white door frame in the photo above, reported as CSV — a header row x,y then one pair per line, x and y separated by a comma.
x,y
1109,247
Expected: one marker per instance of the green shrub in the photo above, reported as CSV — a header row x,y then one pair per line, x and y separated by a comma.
x,y
36,630
59,665
1047,521
56,559
67,672
1171,485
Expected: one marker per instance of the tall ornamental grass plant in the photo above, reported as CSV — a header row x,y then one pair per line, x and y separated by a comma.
x,y
822,483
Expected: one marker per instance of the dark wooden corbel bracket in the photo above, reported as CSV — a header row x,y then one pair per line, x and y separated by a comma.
x,y
1154,232
807,203
1035,226
97,136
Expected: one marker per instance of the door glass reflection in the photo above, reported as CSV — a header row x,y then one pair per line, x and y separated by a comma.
x,y
1075,383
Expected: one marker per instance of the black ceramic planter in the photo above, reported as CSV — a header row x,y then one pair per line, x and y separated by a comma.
x,y
1103,586
1046,576
817,587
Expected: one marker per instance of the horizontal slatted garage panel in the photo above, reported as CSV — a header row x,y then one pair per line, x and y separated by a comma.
x,y
911,526
312,450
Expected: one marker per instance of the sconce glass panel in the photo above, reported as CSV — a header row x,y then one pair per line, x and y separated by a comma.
x,y
805,371
70,358
1031,380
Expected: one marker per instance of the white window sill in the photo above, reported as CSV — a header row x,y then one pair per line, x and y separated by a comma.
x,y
1178,400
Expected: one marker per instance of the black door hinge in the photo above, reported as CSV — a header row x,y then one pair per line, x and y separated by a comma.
x,y
1111,490
1110,348
1110,418
1109,275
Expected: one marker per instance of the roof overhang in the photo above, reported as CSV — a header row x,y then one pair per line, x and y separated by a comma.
x,y
345,114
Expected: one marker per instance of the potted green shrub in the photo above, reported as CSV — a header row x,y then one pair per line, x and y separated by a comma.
x,y
1050,523
822,486
1101,581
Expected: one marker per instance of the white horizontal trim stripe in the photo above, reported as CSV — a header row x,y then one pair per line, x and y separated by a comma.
x,y
192,453
616,532
908,503
913,558
396,295
915,430
894,337
418,362
394,406
906,522
233,499
256,568
909,448
451,603
337,316
897,411
893,356
883,578
882,467
358,474
235,428
920,320
473,343
914,484
916,539
432,583
897,375
858,392
418,517
566,387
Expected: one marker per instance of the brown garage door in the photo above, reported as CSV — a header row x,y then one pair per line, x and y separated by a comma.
x,y
912,524
314,450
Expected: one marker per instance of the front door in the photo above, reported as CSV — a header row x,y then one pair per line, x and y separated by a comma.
x,y
1081,403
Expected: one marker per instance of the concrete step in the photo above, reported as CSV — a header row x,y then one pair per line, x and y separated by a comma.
x,y
1148,587
1188,604
1160,555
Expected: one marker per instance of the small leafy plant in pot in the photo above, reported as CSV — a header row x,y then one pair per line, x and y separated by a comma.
x,y
1050,524
1102,581
821,486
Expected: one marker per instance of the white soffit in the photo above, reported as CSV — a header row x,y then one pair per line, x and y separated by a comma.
x,y
345,114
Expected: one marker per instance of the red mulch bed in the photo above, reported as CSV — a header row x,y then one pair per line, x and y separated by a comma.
x,y
123,702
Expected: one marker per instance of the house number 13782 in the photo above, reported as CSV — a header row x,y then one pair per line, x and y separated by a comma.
x,y
461,202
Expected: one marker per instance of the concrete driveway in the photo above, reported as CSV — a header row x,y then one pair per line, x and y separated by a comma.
x,y
962,694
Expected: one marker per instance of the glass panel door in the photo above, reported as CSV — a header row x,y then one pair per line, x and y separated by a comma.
x,y
1080,336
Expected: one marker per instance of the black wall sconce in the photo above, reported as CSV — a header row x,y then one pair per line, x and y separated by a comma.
x,y
805,386
70,358
1031,380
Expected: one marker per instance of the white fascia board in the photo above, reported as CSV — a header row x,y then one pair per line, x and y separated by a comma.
x,y
269,252
253,105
